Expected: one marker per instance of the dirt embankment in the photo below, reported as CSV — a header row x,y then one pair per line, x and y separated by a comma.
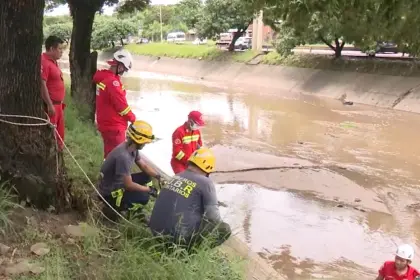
x,y
401,93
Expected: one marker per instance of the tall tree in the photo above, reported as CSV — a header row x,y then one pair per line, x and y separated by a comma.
x,y
111,29
221,15
334,23
82,61
28,154
189,12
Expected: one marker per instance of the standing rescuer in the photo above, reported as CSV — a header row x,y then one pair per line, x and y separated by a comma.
x,y
186,210
112,110
121,189
400,268
52,88
186,139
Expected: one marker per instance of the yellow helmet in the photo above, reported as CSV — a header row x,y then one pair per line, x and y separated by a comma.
x,y
140,132
204,159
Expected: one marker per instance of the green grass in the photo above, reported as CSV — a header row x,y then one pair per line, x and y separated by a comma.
x,y
207,52
7,204
175,50
211,52
370,65
117,252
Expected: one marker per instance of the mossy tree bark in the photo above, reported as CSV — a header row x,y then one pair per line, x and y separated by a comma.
x,y
28,154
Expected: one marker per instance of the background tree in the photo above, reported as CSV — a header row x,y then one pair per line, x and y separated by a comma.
x,y
82,62
221,15
62,30
111,29
28,155
334,23
189,12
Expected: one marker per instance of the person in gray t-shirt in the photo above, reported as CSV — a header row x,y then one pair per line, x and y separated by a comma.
x,y
186,209
121,189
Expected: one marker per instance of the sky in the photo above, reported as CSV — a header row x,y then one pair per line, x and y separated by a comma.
x,y
64,10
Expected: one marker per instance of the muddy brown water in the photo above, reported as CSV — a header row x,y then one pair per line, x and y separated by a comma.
x,y
303,235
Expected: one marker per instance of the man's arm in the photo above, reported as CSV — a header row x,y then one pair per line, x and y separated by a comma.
x,y
177,147
211,208
45,95
122,168
200,140
147,168
381,272
119,102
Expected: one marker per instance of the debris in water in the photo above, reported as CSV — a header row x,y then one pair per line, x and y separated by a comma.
x,y
340,205
222,204
348,103
40,249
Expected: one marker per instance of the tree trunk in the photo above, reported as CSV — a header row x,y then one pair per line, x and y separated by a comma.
x,y
28,154
83,14
122,42
236,36
338,48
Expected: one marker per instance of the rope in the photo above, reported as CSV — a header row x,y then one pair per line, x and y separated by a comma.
x,y
47,122
268,168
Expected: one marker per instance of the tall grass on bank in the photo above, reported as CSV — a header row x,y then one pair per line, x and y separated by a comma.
x,y
175,50
373,65
7,203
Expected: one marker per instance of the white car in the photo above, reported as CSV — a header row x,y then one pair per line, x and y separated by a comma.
x,y
198,41
175,37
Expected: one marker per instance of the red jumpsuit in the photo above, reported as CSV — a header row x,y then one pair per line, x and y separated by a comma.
x,y
184,143
53,77
112,111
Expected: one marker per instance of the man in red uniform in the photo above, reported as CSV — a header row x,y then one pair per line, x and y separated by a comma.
x,y
399,269
186,139
112,110
52,88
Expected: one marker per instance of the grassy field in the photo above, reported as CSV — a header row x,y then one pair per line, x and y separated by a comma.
x,y
116,252
211,52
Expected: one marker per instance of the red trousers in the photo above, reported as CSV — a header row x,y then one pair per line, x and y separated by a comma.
x,y
112,138
58,121
177,166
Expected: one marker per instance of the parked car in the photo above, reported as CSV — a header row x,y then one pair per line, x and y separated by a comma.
x,y
384,47
243,43
175,37
198,41
142,41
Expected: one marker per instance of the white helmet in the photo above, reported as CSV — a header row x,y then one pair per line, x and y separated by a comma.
x,y
406,252
124,57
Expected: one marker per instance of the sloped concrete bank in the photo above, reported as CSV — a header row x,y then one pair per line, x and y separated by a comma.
x,y
401,93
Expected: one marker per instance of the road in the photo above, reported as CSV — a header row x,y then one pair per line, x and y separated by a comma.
x,y
345,52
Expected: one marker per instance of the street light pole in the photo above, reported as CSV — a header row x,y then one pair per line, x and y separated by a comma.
x,y
161,27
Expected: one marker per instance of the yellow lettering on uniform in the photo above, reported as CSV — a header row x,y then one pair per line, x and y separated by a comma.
x,y
188,189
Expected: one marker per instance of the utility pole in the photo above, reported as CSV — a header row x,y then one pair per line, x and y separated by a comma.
x,y
257,32
161,26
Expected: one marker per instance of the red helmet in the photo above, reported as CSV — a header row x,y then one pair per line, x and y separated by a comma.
x,y
196,117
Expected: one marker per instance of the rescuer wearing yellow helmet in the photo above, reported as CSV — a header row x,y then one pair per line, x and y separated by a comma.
x,y
186,209
120,188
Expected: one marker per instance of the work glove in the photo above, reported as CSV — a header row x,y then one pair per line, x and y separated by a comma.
x,y
161,181
153,192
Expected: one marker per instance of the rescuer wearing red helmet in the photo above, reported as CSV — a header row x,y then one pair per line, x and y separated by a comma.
x,y
112,110
186,139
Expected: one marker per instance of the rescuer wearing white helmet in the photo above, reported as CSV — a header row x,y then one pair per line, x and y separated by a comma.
x,y
112,110
400,268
